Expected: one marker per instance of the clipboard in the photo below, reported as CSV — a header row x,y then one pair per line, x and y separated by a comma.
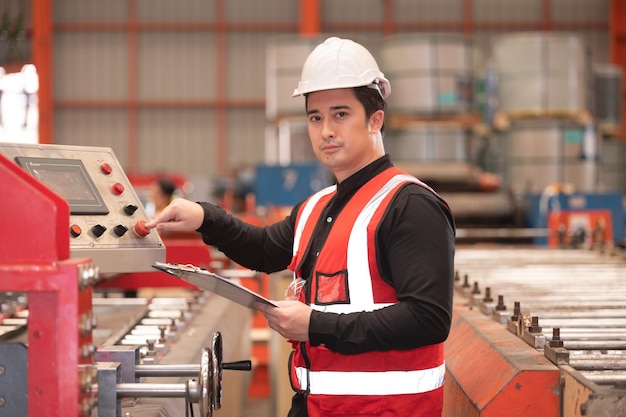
x,y
213,282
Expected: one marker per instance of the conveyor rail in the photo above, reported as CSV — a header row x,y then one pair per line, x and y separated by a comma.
x,y
577,302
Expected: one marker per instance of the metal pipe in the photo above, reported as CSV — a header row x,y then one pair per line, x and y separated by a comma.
x,y
596,356
503,233
167,370
595,344
610,313
195,391
595,322
590,336
597,365
605,377
133,390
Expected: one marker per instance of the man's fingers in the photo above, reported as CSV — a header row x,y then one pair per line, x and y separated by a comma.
x,y
160,219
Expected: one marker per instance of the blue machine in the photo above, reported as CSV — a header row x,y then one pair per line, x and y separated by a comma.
x,y
285,186
577,213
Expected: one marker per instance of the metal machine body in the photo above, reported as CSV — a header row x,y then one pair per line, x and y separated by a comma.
x,y
48,364
34,258
537,331
145,364
205,390
106,215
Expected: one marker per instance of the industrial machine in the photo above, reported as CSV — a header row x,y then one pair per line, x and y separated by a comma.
x,y
69,219
107,221
537,331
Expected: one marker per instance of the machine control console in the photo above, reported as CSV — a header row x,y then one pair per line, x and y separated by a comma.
x,y
107,219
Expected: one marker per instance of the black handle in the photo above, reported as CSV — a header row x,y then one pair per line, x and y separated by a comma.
x,y
238,366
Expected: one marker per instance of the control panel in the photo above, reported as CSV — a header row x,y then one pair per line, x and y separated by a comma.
x,y
107,219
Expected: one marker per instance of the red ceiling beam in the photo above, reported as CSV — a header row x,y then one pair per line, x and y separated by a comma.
x,y
132,127
546,16
310,17
468,18
221,78
617,42
42,59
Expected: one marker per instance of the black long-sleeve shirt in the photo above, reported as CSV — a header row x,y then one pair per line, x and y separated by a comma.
x,y
415,242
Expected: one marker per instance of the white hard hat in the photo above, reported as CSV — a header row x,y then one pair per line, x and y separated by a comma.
x,y
341,63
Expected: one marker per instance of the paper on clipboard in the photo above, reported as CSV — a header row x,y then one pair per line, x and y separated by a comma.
x,y
214,283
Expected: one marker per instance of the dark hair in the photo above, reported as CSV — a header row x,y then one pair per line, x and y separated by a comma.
x,y
167,186
371,100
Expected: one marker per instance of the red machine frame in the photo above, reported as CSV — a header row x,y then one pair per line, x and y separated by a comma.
x,y
34,258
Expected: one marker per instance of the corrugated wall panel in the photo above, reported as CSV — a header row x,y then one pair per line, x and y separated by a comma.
x,y
427,10
262,11
89,11
105,127
179,10
597,41
352,11
90,65
177,140
176,65
246,141
246,65
573,11
484,41
507,11
579,10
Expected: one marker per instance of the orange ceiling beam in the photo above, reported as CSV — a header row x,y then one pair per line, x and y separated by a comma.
x,y
617,40
310,17
42,59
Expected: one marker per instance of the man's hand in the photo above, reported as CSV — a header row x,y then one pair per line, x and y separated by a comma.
x,y
290,319
179,216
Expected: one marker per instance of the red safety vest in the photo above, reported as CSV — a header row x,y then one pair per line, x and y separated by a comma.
x,y
346,279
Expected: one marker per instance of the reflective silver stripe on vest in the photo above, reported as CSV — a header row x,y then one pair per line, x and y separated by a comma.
x,y
373,383
306,212
361,294
359,278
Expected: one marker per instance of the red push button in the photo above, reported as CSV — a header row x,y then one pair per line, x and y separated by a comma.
x,y
117,188
106,168
140,228
75,230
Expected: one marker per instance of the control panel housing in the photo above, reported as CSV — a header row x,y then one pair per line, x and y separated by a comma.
x,y
107,218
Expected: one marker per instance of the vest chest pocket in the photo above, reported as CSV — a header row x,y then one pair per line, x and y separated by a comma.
x,y
331,288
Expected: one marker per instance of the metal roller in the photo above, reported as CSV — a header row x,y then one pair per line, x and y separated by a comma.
x,y
606,377
595,345
585,364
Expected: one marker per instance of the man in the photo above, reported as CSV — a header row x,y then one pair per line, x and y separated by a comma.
x,y
161,194
375,253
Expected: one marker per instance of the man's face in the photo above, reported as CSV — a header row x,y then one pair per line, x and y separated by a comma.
x,y
341,137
